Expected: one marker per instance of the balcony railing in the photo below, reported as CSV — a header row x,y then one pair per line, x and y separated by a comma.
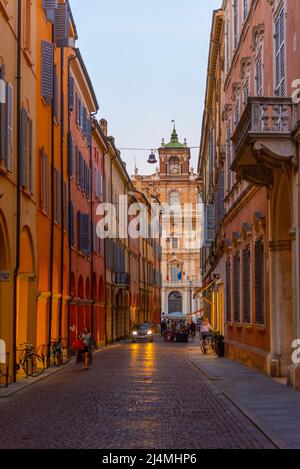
x,y
122,279
263,138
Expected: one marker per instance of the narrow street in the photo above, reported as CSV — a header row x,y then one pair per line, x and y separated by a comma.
x,y
136,396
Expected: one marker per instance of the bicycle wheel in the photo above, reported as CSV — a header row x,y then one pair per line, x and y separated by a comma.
x,y
5,380
33,365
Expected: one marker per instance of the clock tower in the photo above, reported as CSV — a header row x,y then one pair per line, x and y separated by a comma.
x,y
174,158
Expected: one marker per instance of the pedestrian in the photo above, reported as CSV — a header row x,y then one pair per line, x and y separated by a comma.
x,y
89,344
163,327
193,329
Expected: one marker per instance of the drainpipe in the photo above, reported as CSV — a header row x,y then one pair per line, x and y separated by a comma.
x,y
70,59
52,224
62,206
18,212
92,229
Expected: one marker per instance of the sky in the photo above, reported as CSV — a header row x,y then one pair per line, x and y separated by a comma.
x,y
148,62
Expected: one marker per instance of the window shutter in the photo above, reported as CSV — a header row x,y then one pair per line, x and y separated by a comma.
x,y
63,113
66,205
71,155
89,132
245,9
61,25
49,7
259,283
80,113
71,93
210,224
228,291
9,127
222,194
42,179
84,121
237,291
228,156
24,147
77,109
79,233
47,183
72,225
2,113
246,285
235,23
47,72
77,167
31,162
55,91
81,172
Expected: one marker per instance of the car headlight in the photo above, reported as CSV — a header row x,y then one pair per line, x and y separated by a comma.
x,y
149,332
134,333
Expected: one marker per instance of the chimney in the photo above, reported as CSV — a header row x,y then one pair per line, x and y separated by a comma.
x,y
103,125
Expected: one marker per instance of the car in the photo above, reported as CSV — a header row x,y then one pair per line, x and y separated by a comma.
x,y
142,333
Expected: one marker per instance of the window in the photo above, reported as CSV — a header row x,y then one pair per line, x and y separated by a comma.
x,y
6,122
44,182
174,243
245,10
175,273
57,180
235,23
228,155
27,163
259,283
237,288
227,43
246,285
246,92
27,26
280,54
47,72
228,291
174,198
237,112
259,75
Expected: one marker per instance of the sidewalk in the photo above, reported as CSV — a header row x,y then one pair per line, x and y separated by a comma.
x,y
271,406
26,382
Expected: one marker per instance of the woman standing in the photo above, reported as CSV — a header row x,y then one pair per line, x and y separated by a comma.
x,y
86,337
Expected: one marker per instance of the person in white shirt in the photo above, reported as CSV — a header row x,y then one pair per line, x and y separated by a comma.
x,y
205,329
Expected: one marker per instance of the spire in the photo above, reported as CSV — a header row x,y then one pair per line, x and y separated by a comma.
x,y
174,136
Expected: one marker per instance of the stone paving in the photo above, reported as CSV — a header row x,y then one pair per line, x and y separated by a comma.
x,y
137,396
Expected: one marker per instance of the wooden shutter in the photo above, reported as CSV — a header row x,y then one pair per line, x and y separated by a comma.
x,y
237,288
246,285
72,225
42,179
47,72
259,283
71,155
71,93
77,109
222,194
89,132
24,147
49,7
31,162
228,291
47,184
9,147
55,91
2,113
210,223
77,166
228,156
235,23
61,25
79,235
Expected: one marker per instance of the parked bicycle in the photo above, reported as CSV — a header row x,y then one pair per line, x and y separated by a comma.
x,y
32,363
207,345
59,352
5,378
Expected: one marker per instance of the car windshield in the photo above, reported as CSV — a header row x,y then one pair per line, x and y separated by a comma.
x,y
142,327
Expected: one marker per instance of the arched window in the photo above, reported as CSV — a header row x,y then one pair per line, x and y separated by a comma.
x,y
174,198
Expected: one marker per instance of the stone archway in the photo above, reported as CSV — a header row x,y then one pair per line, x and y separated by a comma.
x,y
175,302
282,319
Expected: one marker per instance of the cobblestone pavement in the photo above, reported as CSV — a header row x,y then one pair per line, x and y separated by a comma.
x,y
136,396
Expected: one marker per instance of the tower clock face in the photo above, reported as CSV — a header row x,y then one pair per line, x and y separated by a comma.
x,y
174,167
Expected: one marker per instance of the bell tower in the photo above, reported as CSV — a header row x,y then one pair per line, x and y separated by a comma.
x,y
174,157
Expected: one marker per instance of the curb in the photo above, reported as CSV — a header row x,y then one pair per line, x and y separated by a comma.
x,y
276,440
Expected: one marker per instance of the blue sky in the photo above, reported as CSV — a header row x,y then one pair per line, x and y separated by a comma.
x,y
147,61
